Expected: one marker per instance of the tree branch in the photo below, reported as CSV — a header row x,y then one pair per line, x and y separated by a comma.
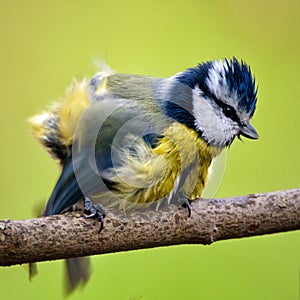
x,y
70,235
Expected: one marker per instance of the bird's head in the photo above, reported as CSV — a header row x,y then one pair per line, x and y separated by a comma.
x,y
224,98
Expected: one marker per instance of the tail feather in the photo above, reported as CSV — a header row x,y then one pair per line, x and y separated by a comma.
x,y
55,130
66,192
77,272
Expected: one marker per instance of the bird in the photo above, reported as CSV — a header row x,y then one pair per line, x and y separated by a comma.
x,y
135,141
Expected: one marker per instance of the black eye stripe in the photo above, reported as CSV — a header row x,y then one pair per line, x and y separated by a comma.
x,y
228,110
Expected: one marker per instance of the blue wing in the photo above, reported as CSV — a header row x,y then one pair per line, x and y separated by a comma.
x,y
99,139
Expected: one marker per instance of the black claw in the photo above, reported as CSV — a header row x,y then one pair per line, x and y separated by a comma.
x,y
187,204
95,212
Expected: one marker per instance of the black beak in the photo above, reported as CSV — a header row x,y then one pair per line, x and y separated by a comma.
x,y
248,131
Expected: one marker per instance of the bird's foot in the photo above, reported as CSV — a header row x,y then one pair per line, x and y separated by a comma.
x,y
95,212
187,204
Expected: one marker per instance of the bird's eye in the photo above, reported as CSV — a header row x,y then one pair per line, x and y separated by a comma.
x,y
229,112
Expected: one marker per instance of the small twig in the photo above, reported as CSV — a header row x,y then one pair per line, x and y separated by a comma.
x,y
70,235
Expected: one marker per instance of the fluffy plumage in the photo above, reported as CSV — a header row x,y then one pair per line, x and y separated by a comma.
x,y
130,140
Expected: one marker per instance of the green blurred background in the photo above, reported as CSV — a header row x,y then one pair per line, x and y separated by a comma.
x,y
44,44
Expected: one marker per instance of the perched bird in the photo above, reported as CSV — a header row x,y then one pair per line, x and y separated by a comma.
x,y
137,141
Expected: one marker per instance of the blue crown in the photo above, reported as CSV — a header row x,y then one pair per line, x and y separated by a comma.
x,y
238,78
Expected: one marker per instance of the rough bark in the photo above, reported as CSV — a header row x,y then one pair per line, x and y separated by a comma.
x,y
70,235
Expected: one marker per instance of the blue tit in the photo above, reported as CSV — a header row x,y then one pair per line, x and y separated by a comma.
x,y
132,140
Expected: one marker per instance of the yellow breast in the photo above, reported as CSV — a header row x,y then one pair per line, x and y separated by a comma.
x,y
184,150
152,174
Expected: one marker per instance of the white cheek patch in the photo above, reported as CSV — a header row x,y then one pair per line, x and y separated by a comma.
x,y
207,120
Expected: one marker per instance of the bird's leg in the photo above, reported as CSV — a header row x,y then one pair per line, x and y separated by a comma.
x,y
95,212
